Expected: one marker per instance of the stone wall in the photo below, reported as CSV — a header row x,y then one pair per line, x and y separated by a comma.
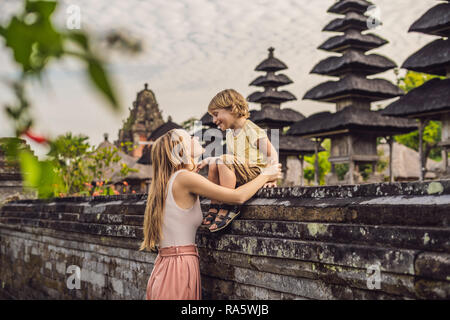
x,y
290,243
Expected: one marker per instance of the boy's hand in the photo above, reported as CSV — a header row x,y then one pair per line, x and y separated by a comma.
x,y
272,171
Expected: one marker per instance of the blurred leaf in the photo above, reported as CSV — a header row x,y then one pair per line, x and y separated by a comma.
x,y
100,80
80,38
33,43
39,175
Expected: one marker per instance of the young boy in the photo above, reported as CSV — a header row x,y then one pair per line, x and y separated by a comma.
x,y
248,152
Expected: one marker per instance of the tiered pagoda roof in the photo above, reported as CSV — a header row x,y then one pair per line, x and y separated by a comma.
x,y
270,82
271,115
435,21
352,20
353,39
353,86
271,64
434,58
342,7
432,97
275,117
353,65
354,62
353,128
351,119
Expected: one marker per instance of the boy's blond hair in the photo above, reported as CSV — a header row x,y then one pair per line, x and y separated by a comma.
x,y
232,100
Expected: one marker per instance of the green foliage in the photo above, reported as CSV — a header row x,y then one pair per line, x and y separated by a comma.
x,y
35,42
341,169
32,36
79,165
432,131
68,153
431,136
324,165
38,175
414,79
381,164
188,125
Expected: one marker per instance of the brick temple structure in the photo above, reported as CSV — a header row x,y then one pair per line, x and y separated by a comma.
x,y
144,118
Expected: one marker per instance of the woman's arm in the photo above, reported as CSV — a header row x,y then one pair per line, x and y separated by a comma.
x,y
198,184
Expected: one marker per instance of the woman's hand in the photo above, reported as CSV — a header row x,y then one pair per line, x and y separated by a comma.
x,y
270,184
205,162
272,172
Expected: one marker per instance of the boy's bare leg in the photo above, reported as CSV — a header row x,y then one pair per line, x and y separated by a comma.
x,y
213,176
227,178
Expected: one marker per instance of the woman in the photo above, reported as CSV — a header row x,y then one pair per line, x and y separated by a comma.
x,y
173,213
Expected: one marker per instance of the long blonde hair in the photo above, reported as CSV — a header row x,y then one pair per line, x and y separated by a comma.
x,y
169,153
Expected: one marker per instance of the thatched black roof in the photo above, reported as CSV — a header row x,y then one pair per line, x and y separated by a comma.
x,y
276,116
207,120
345,6
434,58
354,86
296,145
435,21
146,157
353,39
352,20
271,96
431,97
162,129
353,119
271,80
206,137
271,63
353,61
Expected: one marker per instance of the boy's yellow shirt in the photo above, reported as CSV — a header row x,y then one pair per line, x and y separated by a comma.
x,y
243,145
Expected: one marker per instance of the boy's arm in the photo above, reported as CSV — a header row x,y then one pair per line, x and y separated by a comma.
x,y
267,150
270,155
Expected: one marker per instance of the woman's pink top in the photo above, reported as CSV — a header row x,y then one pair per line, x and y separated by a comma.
x,y
179,225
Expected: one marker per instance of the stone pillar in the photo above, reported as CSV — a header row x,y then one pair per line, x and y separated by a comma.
x,y
351,166
391,157
421,162
301,170
316,162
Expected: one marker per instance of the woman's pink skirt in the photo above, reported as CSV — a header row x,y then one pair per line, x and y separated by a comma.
x,y
175,275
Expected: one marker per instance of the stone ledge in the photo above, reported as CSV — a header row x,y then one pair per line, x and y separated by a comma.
x,y
440,187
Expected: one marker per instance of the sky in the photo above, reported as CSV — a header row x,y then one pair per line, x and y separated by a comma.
x,y
192,49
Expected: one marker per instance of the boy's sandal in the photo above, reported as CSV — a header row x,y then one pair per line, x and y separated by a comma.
x,y
208,220
233,212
